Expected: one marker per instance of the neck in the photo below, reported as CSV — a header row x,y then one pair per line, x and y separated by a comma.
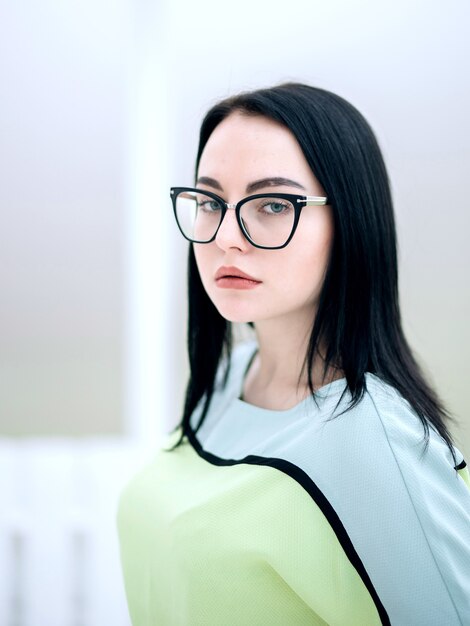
x,y
278,364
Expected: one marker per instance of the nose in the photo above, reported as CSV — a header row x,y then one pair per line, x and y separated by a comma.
x,y
229,233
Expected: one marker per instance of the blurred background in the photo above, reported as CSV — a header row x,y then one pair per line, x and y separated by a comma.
x,y
99,114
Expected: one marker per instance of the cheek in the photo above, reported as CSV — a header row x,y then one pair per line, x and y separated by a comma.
x,y
204,262
200,254
318,239
306,268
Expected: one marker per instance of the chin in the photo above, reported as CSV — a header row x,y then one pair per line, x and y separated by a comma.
x,y
239,319
235,314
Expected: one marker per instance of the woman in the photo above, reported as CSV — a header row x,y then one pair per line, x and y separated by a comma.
x,y
312,479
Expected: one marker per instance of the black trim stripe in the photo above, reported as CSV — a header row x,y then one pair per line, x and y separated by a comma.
x,y
461,465
318,497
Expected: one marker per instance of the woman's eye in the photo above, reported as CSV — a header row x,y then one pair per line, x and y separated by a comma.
x,y
209,205
275,207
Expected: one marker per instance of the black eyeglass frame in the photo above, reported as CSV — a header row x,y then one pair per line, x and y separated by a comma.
x,y
298,202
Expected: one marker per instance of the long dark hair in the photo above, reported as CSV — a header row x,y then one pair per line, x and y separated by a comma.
x,y
358,317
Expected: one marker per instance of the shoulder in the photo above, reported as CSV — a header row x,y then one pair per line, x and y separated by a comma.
x,y
404,505
403,430
378,448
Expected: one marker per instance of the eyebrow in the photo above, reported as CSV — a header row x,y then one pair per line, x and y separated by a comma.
x,y
275,181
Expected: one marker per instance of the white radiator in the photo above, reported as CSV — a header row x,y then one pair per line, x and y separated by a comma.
x,y
59,552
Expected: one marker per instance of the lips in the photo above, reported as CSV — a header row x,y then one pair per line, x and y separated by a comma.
x,y
226,271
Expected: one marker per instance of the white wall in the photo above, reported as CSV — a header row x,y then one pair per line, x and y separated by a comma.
x,y
83,263
63,128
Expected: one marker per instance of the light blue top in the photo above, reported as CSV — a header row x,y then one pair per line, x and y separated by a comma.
x,y
342,521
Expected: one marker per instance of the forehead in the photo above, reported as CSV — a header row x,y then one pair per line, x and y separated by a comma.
x,y
252,146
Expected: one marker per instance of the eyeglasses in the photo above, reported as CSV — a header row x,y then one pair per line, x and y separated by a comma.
x,y
267,220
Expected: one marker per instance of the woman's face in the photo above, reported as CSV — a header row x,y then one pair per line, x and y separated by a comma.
x,y
241,150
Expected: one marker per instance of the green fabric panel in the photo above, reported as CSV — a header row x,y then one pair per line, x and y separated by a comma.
x,y
465,475
203,544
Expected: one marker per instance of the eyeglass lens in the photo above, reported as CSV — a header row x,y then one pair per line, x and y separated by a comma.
x,y
268,221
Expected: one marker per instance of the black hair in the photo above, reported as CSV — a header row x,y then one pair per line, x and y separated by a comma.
x,y
358,317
